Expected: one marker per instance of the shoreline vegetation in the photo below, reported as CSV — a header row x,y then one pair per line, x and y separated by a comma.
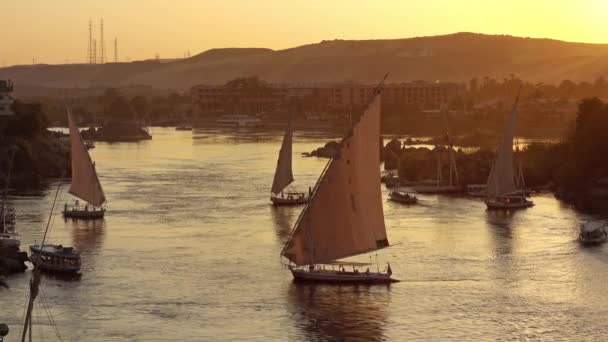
x,y
574,168
39,154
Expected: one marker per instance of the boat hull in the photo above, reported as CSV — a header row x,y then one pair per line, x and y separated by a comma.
x,y
278,201
336,277
84,214
495,205
592,242
55,262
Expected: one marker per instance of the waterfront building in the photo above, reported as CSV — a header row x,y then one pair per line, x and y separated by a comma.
x,y
336,97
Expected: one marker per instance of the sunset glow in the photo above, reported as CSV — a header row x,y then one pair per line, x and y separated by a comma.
x,y
57,31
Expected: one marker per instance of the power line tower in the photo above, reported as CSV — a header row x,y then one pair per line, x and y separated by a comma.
x,y
102,52
91,56
115,50
94,56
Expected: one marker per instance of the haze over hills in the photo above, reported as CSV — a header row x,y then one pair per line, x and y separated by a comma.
x,y
454,57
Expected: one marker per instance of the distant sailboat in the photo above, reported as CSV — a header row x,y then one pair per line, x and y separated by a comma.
x,y
85,183
344,216
283,175
440,187
501,190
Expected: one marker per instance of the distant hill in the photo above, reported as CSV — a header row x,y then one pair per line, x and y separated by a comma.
x,y
454,57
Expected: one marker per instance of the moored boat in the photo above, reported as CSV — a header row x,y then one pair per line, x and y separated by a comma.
x,y
402,197
55,258
85,183
593,233
501,190
477,190
239,120
344,216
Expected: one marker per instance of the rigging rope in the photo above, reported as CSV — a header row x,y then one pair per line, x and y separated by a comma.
x,y
49,314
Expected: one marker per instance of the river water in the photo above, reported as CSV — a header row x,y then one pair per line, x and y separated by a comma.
x,y
189,251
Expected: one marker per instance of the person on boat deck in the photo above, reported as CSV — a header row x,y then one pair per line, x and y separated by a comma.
x,y
311,268
65,207
86,207
367,271
388,270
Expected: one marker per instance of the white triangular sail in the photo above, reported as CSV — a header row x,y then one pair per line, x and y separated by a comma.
x,y
283,175
85,183
502,178
344,216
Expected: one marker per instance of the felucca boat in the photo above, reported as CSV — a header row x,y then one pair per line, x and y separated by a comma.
x,y
85,182
283,175
441,187
501,191
344,216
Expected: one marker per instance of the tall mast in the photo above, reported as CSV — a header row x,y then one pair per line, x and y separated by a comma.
x,y
35,281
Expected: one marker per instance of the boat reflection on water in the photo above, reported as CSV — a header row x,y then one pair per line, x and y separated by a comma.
x,y
88,237
499,224
339,313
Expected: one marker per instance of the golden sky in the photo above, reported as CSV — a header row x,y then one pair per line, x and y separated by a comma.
x,y
56,31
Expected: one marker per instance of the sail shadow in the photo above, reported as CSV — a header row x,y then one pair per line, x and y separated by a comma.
x,y
338,313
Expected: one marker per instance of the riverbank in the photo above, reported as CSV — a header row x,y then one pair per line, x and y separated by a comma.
x,y
36,161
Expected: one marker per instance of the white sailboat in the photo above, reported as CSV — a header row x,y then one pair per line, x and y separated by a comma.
x,y
85,182
344,216
501,191
283,175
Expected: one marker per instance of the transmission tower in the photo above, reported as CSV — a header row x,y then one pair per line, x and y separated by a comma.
x,y
102,52
91,56
115,50
94,55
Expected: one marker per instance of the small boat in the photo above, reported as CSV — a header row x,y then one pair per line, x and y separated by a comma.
x,y
477,190
501,190
85,182
55,258
344,216
239,120
384,175
392,181
12,259
283,175
402,197
593,233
